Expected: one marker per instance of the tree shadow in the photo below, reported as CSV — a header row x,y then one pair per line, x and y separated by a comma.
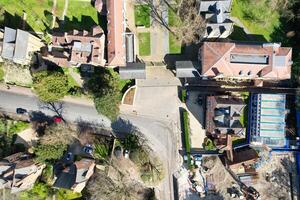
x,y
40,121
14,21
122,127
69,24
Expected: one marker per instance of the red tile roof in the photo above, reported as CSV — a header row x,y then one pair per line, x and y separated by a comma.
x,y
78,47
115,35
215,60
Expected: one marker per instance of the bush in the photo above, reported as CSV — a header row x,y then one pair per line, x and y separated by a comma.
x,y
101,151
51,86
209,145
183,95
49,152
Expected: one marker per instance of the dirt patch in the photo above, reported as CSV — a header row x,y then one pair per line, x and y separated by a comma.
x,y
275,177
129,97
17,74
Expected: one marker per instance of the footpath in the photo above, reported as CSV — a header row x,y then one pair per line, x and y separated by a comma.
x,y
29,92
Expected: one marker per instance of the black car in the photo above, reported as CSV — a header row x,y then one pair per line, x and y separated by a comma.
x,y
21,111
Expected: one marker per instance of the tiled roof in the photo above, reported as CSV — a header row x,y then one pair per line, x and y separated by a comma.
x,y
216,59
115,35
78,47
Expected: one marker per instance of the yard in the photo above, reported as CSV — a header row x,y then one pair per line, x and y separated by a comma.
x,y
142,15
144,44
80,14
257,16
174,43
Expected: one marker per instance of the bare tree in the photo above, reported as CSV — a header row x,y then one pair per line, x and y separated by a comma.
x,y
191,26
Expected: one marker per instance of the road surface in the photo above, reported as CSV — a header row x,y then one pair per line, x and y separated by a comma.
x,y
73,112
159,135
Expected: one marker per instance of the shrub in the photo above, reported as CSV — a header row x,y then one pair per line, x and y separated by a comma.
x,y
49,152
101,151
183,95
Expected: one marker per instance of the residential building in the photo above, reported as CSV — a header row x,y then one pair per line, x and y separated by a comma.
x,y
267,121
19,46
77,47
223,114
116,27
75,175
19,172
217,15
245,61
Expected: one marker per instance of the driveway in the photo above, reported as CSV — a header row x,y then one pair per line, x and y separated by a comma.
x,y
156,114
196,119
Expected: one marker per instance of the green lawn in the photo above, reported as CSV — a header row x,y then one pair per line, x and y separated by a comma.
x,y
71,81
174,44
144,44
257,16
142,15
80,14
1,73
174,20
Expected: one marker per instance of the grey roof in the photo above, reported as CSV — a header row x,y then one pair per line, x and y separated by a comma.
x,y
9,43
186,69
133,71
268,119
279,61
210,6
83,47
129,47
251,59
66,179
21,44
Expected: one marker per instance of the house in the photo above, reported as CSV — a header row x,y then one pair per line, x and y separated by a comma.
x,y
75,175
217,15
267,119
77,47
19,172
19,46
223,115
116,27
245,61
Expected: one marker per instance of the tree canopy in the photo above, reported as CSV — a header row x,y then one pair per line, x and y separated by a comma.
x,y
50,86
48,152
104,87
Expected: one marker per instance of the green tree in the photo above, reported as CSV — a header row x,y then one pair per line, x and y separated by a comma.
x,y
40,191
104,87
46,152
101,151
51,85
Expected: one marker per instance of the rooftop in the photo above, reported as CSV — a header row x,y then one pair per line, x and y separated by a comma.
x,y
242,60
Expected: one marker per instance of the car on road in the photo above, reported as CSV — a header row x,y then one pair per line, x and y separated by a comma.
x,y
21,111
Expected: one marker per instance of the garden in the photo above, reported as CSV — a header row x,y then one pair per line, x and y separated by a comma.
x,y
142,15
144,44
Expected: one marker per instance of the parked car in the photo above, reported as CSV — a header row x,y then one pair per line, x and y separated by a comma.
x,y
57,119
21,111
126,153
69,156
88,149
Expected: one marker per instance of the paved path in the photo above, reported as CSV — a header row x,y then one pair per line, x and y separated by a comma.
x,y
76,77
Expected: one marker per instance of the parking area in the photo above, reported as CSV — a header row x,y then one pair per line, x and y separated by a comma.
x,y
195,105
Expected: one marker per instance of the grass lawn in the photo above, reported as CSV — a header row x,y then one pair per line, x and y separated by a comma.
x,y
144,44
71,81
257,16
174,20
174,44
80,14
1,73
142,15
